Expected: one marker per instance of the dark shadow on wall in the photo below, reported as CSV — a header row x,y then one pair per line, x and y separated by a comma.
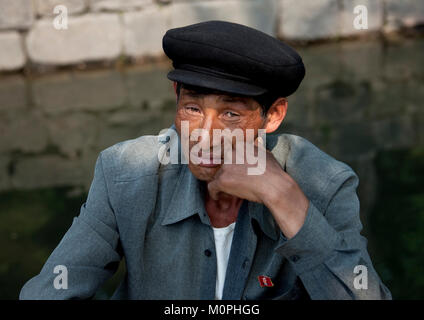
x,y
397,222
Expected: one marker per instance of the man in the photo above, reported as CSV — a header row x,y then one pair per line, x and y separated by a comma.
x,y
206,228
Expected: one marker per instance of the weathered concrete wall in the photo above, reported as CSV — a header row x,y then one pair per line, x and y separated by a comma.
x,y
104,30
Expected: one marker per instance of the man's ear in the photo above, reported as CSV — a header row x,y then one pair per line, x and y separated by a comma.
x,y
276,115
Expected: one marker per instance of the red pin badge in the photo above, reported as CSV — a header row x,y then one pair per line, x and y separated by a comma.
x,y
265,281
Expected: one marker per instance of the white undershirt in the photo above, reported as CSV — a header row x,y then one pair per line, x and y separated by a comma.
x,y
223,240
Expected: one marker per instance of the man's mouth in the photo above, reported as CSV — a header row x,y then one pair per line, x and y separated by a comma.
x,y
206,160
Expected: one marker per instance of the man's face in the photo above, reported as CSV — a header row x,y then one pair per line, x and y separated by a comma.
x,y
215,111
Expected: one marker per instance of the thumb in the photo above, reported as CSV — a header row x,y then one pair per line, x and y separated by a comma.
x,y
213,189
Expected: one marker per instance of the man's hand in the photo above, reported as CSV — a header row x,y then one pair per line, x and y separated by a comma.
x,y
274,188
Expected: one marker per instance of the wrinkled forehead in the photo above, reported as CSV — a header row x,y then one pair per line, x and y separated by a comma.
x,y
192,92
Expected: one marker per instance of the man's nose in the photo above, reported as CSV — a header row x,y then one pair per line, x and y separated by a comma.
x,y
206,137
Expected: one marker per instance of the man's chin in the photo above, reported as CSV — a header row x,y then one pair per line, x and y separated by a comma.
x,y
203,173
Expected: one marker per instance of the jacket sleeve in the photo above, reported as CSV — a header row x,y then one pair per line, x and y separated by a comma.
x,y
89,250
328,253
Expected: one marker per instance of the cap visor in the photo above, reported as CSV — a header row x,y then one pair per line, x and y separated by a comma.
x,y
212,82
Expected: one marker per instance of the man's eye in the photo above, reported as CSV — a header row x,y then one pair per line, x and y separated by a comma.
x,y
192,109
231,115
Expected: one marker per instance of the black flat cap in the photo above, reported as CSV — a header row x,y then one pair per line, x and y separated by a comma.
x,y
232,58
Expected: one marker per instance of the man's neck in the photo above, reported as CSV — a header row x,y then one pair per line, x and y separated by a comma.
x,y
222,212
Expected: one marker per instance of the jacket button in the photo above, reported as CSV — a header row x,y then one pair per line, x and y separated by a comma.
x,y
294,258
208,253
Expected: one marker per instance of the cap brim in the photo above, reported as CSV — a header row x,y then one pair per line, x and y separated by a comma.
x,y
212,82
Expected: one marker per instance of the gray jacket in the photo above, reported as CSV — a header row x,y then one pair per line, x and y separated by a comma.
x,y
154,216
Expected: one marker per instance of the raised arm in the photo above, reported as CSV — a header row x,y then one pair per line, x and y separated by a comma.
x,y
329,254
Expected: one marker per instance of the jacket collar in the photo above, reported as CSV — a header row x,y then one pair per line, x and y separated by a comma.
x,y
187,199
